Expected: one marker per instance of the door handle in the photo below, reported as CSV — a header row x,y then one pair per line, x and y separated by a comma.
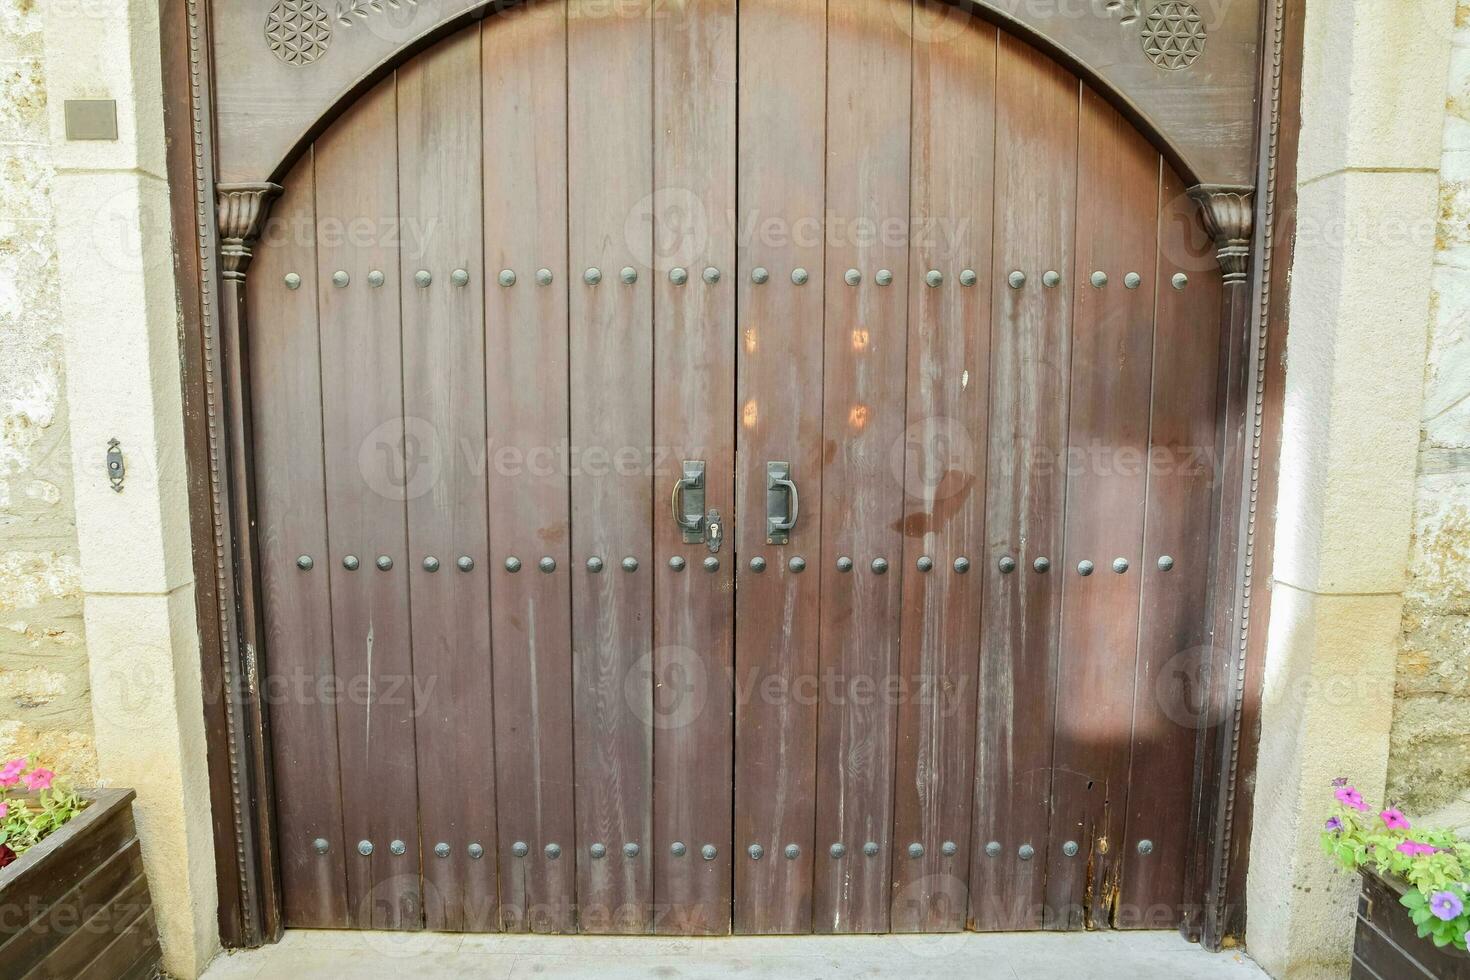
x,y
782,503
688,502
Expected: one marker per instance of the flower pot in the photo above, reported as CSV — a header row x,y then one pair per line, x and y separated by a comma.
x,y
1387,945
77,904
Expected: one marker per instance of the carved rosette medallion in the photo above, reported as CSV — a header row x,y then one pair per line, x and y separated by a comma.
x,y
298,31
1229,214
1173,35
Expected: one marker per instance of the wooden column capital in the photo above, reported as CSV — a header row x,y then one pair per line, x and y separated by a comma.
x,y
242,211
1229,216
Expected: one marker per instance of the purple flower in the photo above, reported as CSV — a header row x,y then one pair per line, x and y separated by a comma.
x,y
1340,781
1334,823
1446,906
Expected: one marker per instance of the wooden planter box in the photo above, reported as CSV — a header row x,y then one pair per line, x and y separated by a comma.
x,y
77,904
1387,945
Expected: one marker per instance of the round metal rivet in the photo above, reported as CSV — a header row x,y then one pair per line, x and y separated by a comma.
x,y
431,564
968,278
1070,848
1041,564
512,564
792,852
797,564
461,277
1051,279
1120,565
949,848
993,849
599,850
476,851
1145,847
844,564
520,848
1099,279
916,850
852,277
800,276
1132,280
1017,279
678,849
629,275
711,564
630,850
885,277
1180,280
340,278
630,564
880,566
423,278
1027,852
759,275
293,281
678,276
676,563
350,563
544,277
384,563
1084,567
547,564
871,848
594,565
708,852
592,276
376,278
711,275
304,563
398,848
757,565
321,845
364,847
441,849
553,851
962,565
465,563
1165,563
837,850
1006,565
507,277
925,563
934,277
756,852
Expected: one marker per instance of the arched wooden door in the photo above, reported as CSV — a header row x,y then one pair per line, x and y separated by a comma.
x,y
733,468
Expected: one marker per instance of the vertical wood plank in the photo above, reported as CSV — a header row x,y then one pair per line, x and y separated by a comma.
x,y
694,409
869,68
1169,707
779,220
1035,195
944,447
365,462
525,110
285,377
610,173
1112,364
439,165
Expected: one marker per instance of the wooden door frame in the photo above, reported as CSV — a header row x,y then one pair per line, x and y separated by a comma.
x,y
215,226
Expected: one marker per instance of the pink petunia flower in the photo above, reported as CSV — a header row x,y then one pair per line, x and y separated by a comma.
x,y
39,779
1394,819
10,772
1415,849
4,810
1348,796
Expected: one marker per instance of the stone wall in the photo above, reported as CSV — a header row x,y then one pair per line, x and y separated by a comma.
x,y
44,694
1429,766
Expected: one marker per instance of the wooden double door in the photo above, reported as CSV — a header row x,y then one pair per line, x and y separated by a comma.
x,y
733,468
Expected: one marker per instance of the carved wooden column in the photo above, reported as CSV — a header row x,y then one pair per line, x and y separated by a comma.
x,y
1228,214
242,211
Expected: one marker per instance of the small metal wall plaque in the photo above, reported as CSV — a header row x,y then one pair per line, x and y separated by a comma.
x,y
91,119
